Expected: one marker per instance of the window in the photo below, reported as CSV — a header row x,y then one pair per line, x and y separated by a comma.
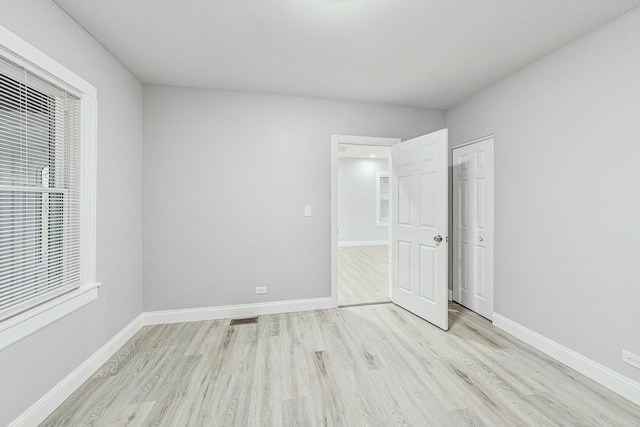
x,y
47,190
382,198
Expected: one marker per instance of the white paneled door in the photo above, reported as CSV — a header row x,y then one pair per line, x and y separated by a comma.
x,y
419,214
473,227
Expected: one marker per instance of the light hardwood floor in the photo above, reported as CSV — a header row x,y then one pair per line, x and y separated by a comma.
x,y
363,274
372,365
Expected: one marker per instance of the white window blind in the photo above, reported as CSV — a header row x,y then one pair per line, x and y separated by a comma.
x,y
39,190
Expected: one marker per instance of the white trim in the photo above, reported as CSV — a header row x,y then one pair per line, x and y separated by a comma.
x,y
31,321
450,295
88,187
335,141
14,49
230,311
40,410
364,243
24,54
601,374
364,140
473,141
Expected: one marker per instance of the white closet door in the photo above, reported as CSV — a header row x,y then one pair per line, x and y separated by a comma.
x,y
473,227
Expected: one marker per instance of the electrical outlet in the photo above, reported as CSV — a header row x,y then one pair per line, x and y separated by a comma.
x,y
261,290
631,359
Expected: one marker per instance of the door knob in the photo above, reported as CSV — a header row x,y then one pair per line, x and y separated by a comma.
x,y
438,238
480,238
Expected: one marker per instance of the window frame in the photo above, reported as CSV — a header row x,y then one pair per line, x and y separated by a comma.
x,y
18,327
379,176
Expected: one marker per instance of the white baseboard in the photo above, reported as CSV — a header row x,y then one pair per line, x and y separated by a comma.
x,y
230,311
40,410
601,374
365,243
450,295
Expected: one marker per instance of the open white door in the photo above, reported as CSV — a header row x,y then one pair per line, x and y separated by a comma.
x,y
419,224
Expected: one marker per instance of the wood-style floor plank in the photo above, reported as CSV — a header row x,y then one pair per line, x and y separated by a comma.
x,y
374,365
363,274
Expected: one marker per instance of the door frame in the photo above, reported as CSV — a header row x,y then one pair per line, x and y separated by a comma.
x,y
455,288
352,140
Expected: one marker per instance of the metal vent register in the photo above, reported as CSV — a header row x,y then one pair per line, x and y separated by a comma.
x,y
245,321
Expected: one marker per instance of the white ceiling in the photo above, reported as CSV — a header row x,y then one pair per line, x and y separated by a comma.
x,y
426,53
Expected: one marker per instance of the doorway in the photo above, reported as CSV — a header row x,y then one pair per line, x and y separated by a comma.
x,y
473,243
360,247
418,218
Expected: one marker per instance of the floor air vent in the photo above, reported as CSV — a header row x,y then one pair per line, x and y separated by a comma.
x,y
245,321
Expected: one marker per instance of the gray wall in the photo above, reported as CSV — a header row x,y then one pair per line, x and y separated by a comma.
x,y
567,200
357,188
226,176
33,366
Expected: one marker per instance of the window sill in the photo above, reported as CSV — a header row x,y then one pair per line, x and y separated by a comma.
x,y
21,326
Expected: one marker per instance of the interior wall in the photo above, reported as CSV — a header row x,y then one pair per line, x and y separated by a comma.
x,y
30,368
567,143
357,199
226,178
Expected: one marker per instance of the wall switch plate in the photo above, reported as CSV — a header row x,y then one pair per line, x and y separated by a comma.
x,y
631,359
307,210
261,290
